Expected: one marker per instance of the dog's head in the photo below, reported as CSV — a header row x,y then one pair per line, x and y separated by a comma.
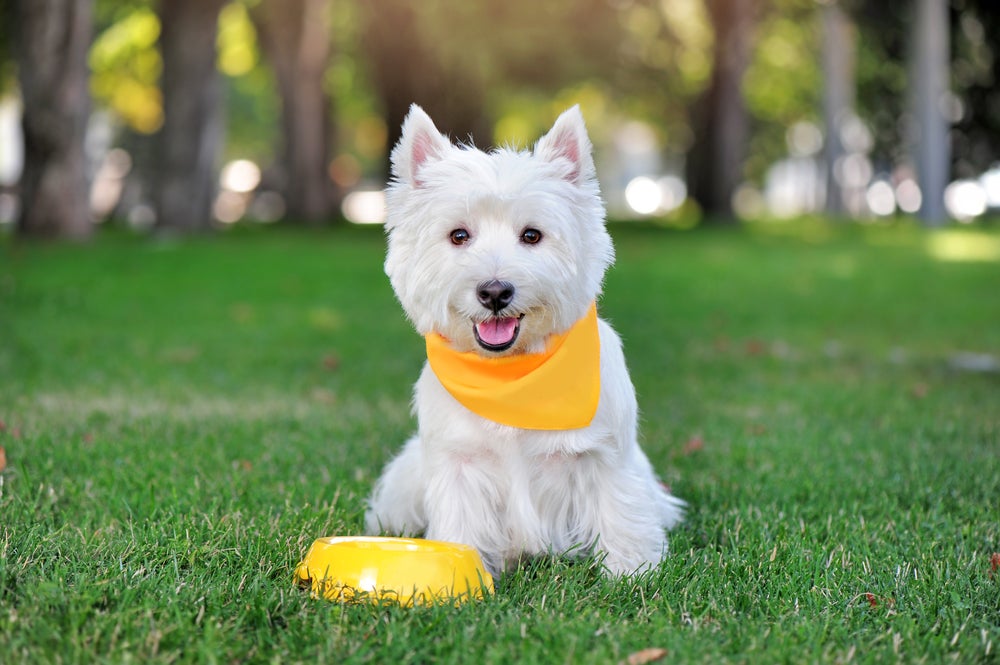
x,y
495,251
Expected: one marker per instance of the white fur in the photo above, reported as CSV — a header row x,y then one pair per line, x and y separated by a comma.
x,y
512,492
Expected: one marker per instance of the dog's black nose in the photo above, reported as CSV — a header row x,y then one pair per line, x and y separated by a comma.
x,y
495,294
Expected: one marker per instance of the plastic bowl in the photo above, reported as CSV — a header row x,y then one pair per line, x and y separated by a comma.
x,y
407,571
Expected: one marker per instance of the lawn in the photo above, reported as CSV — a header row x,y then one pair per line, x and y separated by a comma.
x,y
180,419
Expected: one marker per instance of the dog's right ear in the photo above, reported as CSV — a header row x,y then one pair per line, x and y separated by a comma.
x,y
420,143
567,142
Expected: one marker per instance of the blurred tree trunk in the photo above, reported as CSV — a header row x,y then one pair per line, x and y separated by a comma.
x,y
295,37
53,37
720,122
406,71
189,143
929,66
838,95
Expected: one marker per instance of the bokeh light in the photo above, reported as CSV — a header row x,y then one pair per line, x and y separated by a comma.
x,y
643,195
881,198
240,176
965,200
364,207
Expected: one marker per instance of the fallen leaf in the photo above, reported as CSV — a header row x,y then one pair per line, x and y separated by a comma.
x,y
3,458
646,656
994,558
872,600
694,444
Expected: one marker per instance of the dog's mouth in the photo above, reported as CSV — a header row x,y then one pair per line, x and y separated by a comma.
x,y
498,334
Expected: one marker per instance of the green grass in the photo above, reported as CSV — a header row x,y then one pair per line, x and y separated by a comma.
x,y
181,420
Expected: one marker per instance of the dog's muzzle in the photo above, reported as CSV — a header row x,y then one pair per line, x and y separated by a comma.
x,y
499,332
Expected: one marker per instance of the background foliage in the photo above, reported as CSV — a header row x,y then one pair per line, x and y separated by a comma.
x,y
642,58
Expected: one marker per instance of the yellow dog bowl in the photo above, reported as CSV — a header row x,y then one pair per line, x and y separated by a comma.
x,y
404,570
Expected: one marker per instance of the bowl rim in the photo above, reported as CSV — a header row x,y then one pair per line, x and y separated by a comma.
x,y
401,544
325,585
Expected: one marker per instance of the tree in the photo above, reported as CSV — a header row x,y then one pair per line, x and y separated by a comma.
x,y
52,41
7,18
295,38
967,41
930,63
720,122
189,143
462,60
405,69
838,95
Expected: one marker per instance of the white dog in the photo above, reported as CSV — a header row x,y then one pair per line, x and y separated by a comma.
x,y
497,258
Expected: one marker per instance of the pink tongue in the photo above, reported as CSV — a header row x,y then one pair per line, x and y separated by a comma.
x,y
497,331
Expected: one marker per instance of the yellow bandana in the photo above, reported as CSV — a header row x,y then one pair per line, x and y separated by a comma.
x,y
554,390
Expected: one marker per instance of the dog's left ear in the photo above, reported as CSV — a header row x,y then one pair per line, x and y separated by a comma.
x,y
568,140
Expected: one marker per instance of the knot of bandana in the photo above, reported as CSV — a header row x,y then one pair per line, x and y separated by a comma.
x,y
554,390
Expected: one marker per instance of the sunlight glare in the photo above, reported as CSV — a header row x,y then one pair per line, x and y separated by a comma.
x,y
229,207
965,200
643,195
991,183
880,198
364,207
963,246
240,176
908,196
673,191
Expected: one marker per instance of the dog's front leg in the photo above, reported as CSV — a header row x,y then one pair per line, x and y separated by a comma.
x,y
397,501
464,500
631,509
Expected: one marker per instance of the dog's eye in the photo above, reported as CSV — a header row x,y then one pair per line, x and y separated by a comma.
x,y
531,236
459,237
